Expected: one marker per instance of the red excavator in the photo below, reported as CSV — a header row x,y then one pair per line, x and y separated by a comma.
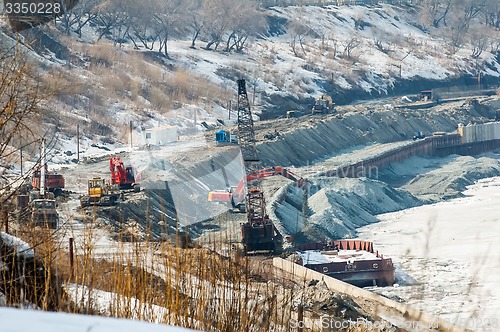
x,y
235,196
123,177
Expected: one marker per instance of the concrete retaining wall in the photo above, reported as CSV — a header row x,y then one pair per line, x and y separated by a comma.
x,y
410,314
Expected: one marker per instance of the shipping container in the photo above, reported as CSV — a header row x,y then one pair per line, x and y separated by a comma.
x,y
160,135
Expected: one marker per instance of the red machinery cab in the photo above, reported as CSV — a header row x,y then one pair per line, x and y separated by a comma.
x,y
123,177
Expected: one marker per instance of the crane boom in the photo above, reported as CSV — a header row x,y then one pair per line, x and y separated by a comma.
x,y
258,233
246,133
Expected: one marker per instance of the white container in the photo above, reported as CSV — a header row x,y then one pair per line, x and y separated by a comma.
x,y
160,135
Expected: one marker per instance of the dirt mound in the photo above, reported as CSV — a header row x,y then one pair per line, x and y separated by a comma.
x,y
335,207
450,180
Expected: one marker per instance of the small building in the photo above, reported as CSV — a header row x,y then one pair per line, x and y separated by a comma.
x,y
160,135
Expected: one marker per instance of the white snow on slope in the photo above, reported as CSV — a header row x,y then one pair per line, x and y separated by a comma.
x,y
17,320
277,70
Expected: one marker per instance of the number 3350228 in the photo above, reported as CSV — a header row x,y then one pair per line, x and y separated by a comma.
x,y
32,8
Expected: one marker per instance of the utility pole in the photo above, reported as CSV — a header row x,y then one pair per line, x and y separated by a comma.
x,y
131,133
21,151
78,143
42,170
253,97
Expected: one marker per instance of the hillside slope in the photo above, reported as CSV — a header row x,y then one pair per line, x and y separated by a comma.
x,y
348,52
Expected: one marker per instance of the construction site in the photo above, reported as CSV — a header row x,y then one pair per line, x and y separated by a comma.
x,y
247,202
315,180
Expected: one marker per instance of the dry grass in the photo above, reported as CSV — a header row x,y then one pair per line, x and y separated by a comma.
x,y
194,288
128,76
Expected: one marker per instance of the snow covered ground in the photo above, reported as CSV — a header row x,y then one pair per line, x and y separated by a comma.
x,y
18,320
448,256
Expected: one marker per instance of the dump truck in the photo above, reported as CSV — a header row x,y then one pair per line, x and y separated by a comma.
x,y
37,208
53,182
43,213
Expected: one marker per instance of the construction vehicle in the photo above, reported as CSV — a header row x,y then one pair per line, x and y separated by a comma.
x,y
425,96
123,177
44,213
53,182
258,232
39,205
38,208
99,193
418,135
323,104
291,114
235,196
224,137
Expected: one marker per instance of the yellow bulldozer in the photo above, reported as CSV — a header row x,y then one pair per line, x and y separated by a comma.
x,y
323,104
100,193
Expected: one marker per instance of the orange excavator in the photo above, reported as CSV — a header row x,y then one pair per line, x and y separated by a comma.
x,y
123,177
235,196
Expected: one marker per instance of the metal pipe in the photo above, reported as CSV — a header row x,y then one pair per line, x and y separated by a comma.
x,y
71,257
42,170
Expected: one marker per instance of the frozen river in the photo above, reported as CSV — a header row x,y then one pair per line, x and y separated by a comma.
x,y
447,256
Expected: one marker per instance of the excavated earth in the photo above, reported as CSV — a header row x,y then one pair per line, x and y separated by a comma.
x,y
177,179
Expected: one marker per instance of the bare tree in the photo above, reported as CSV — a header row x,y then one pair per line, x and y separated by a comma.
x,y
435,12
491,13
385,41
479,40
169,16
298,33
218,12
21,98
111,16
78,16
350,45
199,18
140,24
84,13
246,20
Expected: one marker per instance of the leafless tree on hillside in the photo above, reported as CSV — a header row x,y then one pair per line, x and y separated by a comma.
x,y
434,12
471,10
298,33
385,42
350,45
218,12
491,12
111,15
21,98
140,23
79,16
246,20
479,39
198,17
169,16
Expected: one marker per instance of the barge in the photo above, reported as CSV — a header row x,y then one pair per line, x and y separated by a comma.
x,y
352,261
